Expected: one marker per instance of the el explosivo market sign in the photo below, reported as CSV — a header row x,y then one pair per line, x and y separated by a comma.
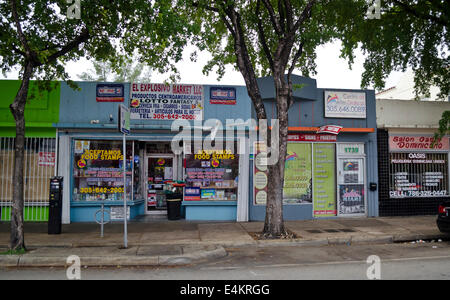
x,y
158,101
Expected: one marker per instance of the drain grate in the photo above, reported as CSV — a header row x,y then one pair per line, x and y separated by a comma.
x,y
330,230
314,231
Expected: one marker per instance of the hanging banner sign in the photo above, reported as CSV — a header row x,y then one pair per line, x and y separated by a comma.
x,y
345,105
222,95
150,101
422,142
110,93
333,129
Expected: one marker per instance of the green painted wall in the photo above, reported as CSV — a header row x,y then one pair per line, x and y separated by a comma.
x,y
30,213
41,111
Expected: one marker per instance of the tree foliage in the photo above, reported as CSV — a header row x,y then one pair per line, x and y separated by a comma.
x,y
408,34
125,70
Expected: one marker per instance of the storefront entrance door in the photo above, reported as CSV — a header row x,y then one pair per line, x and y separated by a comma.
x,y
351,186
159,170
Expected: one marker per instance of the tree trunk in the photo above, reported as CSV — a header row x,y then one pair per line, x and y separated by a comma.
x,y
17,239
274,222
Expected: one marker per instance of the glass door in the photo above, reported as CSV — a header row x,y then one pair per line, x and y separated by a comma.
x,y
159,171
351,186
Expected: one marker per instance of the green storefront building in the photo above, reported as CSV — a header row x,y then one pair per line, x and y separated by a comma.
x,y
41,112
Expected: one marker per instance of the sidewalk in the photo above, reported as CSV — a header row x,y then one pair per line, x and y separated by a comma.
x,y
185,242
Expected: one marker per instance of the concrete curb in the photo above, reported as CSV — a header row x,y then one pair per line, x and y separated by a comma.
x,y
28,260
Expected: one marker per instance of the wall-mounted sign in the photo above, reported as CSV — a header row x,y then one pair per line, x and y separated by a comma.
x,y
345,104
350,149
414,143
222,95
311,137
333,129
110,93
150,101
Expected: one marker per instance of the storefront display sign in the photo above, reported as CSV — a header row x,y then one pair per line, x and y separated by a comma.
x,y
192,194
298,174
110,93
416,175
345,104
419,142
150,101
324,183
351,199
211,175
222,95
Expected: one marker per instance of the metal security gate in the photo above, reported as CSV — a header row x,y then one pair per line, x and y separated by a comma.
x,y
39,167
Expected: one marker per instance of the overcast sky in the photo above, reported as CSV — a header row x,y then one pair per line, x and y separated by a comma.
x,y
332,71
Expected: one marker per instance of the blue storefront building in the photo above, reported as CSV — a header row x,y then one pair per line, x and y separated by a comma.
x,y
331,168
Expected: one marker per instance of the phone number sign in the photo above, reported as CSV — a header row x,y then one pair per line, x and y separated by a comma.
x,y
149,101
345,105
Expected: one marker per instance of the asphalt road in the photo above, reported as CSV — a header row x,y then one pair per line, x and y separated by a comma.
x,y
397,261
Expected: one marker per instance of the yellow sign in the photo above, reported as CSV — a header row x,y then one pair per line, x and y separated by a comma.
x,y
102,155
214,154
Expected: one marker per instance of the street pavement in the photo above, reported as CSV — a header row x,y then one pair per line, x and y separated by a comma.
x,y
162,243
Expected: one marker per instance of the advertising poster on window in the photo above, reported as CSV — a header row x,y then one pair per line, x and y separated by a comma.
x,y
212,175
324,180
260,174
298,174
149,101
345,105
416,175
351,199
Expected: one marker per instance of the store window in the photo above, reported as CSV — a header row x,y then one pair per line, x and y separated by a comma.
x,y
211,175
98,171
415,175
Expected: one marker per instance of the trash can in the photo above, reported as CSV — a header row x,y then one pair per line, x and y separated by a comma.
x,y
174,206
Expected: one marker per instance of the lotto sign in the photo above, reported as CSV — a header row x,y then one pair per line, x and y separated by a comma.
x,y
150,101
345,105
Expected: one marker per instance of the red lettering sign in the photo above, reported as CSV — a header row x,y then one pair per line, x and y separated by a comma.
x,y
424,142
